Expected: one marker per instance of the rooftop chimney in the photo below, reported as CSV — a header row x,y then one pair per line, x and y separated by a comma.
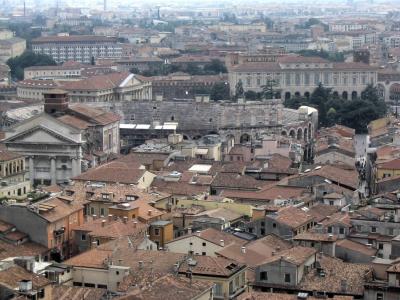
x,y
134,224
103,223
243,250
55,102
149,212
94,217
125,220
222,243
140,264
110,218
25,285
190,230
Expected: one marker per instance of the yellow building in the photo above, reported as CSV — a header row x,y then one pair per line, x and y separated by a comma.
x,y
161,232
13,184
387,169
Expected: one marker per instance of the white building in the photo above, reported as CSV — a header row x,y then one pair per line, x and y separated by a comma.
x,y
299,76
81,48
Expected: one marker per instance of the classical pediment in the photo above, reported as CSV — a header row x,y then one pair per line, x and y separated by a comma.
x,y
41,135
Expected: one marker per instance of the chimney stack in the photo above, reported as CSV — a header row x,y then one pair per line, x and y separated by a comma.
x,y
222,243
55,102
125,220
134,224
149,212
243,250
110,218
94,217
103,223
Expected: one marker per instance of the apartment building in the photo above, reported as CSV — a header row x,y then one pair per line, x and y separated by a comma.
x,y
82,48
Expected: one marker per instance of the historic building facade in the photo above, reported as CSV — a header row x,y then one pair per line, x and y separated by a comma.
x,y
299,76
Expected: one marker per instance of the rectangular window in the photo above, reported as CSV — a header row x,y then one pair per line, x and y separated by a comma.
x,y
204,244
380,246
83,237
92,212
157,231
316,79
379,296
102,212
287,79
287,278
218,289
341,230
373,229
203,253
263,275
326,78
306,78
390,231
105,196
330,229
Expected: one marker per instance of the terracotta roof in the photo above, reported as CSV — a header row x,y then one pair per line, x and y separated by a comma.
x,y
170,287
291,216
12,276
212,266
357,247
277,296
60,208
74,122
395,268
393,164
25,249
255,251
93,115
321,211
313,236
222,213
236,181
112,228
342,218
180,188
6,155
111,173
296,255
65,292
74,38
267,193
95,83
337,271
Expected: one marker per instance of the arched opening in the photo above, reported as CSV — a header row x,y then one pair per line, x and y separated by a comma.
x,y
394,92
292,133
283,133
345,95
354,95
299,134
287,95
172,118
297,94
307,95
309,131
305,134
245,138
335,94
185,137
230,140
197,137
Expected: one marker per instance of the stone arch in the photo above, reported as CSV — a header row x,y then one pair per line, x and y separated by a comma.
x,y
299,133
284,133
245,138
292,133
305,131
297,94
335,94
287,95
345,95
230,139
354,95
307,95
394,92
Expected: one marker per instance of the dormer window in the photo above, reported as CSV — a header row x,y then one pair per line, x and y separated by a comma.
x,y
105,196
131,197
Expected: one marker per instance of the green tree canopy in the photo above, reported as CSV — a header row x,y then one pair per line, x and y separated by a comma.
x,y
28,59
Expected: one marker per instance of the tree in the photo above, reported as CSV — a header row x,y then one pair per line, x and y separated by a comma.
x,y
216,66
239,91
220,91
250,95
28,59
269,89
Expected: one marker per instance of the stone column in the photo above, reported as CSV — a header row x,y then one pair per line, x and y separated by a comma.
x,y
31,169
76,166
53,170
